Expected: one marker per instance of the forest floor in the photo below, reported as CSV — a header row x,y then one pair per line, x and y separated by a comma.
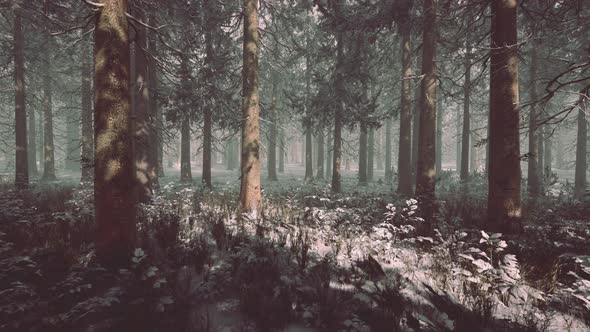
x,y
315,261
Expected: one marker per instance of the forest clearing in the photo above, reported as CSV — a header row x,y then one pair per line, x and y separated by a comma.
x,y
277,165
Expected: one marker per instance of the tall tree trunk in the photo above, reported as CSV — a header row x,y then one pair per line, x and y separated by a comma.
x,y
426,168
250,194
581,151
87,158
504,202
363,154
466,132
371,155
388,147
439,134
114,183
404,161
533,181
49,147
320,154
145,167
21,164
32,145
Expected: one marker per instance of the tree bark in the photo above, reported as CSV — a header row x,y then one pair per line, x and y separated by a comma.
x,y
48,146
87,158
250,193
404,162
114,181
21,164
504,202
426,171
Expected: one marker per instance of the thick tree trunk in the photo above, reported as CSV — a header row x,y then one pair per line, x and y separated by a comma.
x,y
363,154
250,193
504,202
388,147
87,158
426,168
466,132
371,155
404,161
32,145
320,154
114,181
48,146
533,181
145,167
21,164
